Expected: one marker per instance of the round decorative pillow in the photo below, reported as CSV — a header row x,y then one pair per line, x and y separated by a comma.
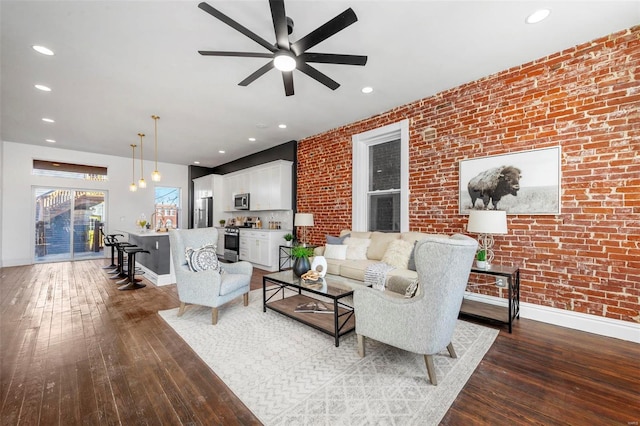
x,y
203,258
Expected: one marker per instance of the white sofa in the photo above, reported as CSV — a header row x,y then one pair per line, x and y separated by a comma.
x,y
381,247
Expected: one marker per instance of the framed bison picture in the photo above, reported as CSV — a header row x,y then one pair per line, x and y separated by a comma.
x,y
526,182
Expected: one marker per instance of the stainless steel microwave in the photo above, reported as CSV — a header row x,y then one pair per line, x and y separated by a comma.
x,y
241,201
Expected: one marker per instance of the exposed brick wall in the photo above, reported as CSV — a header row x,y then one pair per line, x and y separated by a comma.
x,y
585,99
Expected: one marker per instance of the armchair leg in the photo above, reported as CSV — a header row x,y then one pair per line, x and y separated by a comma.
x,y
452,352
431,369
214,316
245,299
183,306
360,345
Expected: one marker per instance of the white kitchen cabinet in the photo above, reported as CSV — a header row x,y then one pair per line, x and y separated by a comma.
x,y
261,247
269,186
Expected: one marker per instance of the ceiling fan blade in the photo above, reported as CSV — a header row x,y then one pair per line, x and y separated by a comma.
x,y
332,58
317,75
262,70
279,23
325,31
236,26
287,78
241,54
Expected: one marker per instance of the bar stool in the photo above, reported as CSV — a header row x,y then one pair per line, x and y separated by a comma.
x,y
110,240
120,271
133,282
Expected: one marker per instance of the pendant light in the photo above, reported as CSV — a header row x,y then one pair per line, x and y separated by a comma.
x,y
133,187
141,182
155,176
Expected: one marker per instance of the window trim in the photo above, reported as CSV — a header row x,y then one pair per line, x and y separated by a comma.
x,y
360,184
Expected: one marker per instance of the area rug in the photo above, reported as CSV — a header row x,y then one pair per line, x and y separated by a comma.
x,y
287,373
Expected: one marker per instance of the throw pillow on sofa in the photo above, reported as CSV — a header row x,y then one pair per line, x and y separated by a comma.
x,y
398,253
336,240
357,248
335,251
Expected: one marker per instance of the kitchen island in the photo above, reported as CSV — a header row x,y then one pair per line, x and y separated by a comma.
x,y
157,265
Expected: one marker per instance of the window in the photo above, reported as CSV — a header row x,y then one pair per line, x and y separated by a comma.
x,y
381,179
167,202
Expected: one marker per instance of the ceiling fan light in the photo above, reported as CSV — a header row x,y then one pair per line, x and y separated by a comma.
x,y
284,61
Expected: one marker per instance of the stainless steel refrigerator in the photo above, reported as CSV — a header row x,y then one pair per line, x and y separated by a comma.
x,y
203,213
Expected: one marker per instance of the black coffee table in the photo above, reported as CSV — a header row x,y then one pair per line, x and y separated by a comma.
x,y
331,291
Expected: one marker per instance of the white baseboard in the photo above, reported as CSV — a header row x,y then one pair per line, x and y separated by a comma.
x,y
155,278
603,326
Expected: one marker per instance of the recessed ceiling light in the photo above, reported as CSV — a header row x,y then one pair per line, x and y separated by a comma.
x,y
196,162
49,120
367,89
50,140
55,164
43,88
252,139
537,16
282,126
221,152
43,50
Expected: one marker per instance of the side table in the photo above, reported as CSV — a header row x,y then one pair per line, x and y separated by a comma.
x,y
493,312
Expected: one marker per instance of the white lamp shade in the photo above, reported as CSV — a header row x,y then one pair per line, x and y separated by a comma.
x,y
303,219
487,222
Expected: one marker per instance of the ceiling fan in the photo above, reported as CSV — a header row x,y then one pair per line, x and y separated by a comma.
x,y
286,55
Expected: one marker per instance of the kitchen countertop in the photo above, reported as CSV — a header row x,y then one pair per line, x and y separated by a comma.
x,y
146,233
265,230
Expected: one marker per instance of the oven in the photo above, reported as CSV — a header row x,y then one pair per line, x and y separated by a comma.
x,y
231,243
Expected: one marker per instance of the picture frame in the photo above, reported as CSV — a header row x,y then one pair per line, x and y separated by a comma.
x,y
526,182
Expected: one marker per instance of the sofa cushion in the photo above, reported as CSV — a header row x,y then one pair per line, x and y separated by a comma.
x,y
354,269
357,248
335,251
398,253
355,234
379,243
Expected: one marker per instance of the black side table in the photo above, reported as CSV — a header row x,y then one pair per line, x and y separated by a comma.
x,y
493,312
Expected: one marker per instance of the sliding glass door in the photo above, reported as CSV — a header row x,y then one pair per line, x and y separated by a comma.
x,y
67,224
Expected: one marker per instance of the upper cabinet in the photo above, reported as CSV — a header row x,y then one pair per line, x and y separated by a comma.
x,y
269,186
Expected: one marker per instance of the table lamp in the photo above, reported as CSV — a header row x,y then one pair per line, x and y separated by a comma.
x,y
487,223
303,220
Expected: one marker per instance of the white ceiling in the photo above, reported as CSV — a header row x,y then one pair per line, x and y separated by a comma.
x,y
118,62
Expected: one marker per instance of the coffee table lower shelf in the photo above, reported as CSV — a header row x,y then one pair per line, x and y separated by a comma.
x,y
334,325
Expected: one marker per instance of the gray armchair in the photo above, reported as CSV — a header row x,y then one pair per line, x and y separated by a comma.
x,y
206,288
425,323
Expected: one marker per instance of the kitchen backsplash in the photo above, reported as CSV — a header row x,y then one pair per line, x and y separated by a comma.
x,y
285,217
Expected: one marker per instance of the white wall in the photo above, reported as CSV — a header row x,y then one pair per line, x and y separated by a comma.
x,y
124,207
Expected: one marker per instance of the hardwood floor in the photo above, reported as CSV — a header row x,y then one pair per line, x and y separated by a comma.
x,y
75,350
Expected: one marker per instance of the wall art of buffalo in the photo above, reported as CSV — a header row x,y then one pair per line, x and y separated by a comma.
x,y
493,184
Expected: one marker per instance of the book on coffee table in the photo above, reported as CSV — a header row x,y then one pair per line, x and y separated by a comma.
x,y
314,307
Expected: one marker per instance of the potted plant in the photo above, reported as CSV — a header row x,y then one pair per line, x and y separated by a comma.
x,y
481,259
301,263
222,222
288,238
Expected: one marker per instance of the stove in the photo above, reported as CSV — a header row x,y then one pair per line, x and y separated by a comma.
x,y
232,242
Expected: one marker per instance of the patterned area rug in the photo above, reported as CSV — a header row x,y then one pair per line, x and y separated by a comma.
x,y
288,373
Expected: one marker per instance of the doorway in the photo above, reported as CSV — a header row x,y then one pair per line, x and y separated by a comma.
x,y
67,224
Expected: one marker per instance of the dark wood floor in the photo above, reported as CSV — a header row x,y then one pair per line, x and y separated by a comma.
x,y
74,350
